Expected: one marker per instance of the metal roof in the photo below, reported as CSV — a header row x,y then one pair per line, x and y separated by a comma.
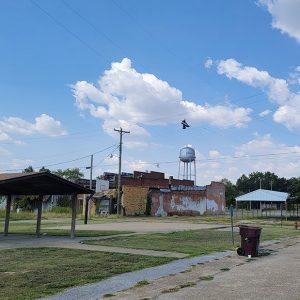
x,y
264,195
38,183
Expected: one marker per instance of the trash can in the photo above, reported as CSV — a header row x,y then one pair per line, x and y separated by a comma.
x,y
249,240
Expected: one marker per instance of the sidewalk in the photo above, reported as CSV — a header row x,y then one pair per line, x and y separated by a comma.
x,y
268,277
29,241
223,275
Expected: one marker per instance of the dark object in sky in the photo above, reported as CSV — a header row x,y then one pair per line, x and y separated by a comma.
x,y
184,124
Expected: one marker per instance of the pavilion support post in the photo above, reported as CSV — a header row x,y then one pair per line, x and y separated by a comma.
x,y
281,214
73,222
260,207
7,215
87,206
242,210
39,216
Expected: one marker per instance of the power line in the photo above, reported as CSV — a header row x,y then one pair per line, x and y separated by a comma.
x,y
267,156
96,165
63,162
86,20
74,35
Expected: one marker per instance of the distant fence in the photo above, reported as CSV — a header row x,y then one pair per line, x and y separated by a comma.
x,y
264,209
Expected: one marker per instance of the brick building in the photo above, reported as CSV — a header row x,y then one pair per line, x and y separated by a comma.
x,y
152,193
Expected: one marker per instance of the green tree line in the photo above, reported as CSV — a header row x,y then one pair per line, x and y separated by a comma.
x,y
256,180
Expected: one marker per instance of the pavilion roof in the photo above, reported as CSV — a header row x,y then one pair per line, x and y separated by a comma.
x,y
38,183
264,195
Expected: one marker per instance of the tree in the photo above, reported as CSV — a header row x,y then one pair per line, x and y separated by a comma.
x,y
69,173
255,180
230,191
29,169
43,169
293,188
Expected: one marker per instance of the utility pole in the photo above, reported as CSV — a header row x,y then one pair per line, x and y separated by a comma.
x,y
91,172
87,202
271,184
260,183
121,132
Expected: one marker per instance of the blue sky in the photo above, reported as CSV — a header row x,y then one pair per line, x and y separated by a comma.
x,y
72,71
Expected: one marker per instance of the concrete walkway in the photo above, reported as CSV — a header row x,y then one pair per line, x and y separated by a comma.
x,y
29,241
143,226
127,280
218,276
231,278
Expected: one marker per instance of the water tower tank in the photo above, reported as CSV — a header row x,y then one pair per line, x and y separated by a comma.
x,y
187,154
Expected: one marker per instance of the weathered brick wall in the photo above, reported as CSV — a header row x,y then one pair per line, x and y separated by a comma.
x,y
134,200
208,201
215,193
178,203
152,175
155,182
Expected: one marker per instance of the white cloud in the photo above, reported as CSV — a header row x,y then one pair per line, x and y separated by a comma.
x,y
44,124
265,113
4,136
140,99
214,154
208,64
250,157
277,90
295,76
285,16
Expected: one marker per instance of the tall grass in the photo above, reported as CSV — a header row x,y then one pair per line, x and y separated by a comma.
x,y
57,212
14,216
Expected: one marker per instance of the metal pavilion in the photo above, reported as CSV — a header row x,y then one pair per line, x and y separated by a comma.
x,y
40,184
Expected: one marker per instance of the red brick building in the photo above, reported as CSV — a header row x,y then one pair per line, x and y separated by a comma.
x,y
161,197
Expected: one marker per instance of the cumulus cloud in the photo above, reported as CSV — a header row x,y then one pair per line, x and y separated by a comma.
x,y
44,124
126,97
285,16
277,90
4,136
208,64
265,113
295,76
214,154
261,153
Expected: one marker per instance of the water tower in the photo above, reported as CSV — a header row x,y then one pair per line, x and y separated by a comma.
x,y
187,160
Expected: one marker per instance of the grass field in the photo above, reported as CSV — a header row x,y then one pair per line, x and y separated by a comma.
x,y
192,242
28,226
35,273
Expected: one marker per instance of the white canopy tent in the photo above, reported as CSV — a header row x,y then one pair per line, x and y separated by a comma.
x,y
263,196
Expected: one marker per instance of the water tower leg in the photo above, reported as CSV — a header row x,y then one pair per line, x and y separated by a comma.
x,y
195,183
